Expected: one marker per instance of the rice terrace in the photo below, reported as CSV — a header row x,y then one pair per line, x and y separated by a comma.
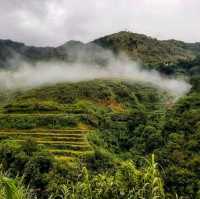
x,y
97,102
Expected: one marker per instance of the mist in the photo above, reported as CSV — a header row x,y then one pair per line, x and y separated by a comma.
x,y
46,73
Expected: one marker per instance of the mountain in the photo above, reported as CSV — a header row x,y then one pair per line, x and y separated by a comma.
x,y
101,125
137,46
148,49
103,138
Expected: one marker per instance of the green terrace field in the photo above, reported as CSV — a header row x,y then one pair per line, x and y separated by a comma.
x,y
60,117
58,133
99,125
59,142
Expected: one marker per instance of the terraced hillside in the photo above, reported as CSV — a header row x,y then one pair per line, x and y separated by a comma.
x,y
107,122
60,117
64,143
60,133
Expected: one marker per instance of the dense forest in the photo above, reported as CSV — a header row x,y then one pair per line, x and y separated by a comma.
x,y
104,138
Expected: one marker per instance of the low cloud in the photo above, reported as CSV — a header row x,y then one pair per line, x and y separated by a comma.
x,y
45,73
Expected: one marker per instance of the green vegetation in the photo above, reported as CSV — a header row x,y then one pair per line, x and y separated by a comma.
x,y
12,189
149,50
95,139
102,125
137,46
126,182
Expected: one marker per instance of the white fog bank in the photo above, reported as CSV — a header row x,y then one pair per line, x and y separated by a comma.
x,y
54,72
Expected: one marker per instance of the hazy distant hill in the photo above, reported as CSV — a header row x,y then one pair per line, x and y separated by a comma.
x,y
148,49
136,46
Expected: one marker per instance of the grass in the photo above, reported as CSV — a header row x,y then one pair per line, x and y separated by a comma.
x,y
70,153
65,159
45,130
56,135
13,188
49,139
69,147
127,182
66,143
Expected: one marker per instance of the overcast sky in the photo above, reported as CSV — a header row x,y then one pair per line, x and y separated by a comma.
x,y
53,22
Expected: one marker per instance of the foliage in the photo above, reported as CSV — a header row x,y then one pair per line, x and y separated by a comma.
x,y
13,188
127,122
126,182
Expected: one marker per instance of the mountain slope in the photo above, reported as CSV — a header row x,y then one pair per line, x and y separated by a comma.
x,y
60,116
99,123
148,49
136,46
